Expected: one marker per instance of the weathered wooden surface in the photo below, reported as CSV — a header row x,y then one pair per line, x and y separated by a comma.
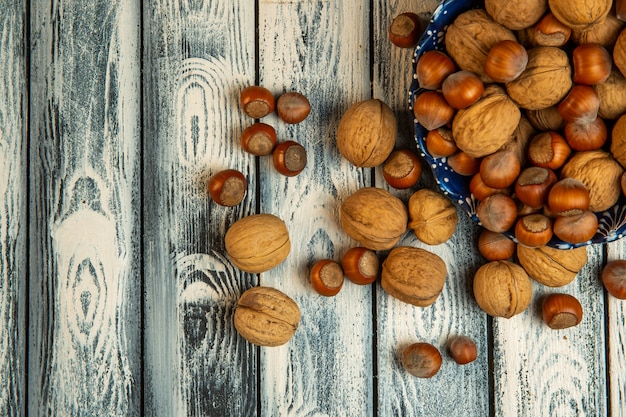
x,y
13,207
116,293
85,225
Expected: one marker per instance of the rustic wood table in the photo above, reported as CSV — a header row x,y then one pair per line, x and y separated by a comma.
x,y
116,295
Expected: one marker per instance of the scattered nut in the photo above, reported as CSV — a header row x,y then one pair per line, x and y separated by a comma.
x,y
560,311
422,360
502,289
550,266
433,217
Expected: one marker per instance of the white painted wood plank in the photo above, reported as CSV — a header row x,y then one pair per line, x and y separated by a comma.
x,y
198,56
13,207
544,372
616,355
319,48
84,345
455,390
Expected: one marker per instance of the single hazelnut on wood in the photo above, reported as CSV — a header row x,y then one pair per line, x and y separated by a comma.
x,y
293,107
258,139
360,265
257,101
432,216
614,278
257,243
266,316
227,187
413,275
405,30
502,289
463,350
326,277
560,311
551,266
402,169
367,133
422,360
289,158
374,218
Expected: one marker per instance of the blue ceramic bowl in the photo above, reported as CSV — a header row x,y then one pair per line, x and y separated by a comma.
x,y
611,223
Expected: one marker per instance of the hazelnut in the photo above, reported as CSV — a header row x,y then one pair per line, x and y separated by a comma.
x,y
586,136
533,185
592,64
293,107
374,218
580,105
402,169
257,243
551,266
257,101
433,217
495,246
560,311
461,89
258,139
227,187
577,228
497,213
463,164
440,143
548,31
533,230
500,169
367,133
289,158
413,275
505,61
548,150
463,350
568,197
360,265
266,316
502,289
432,110
326,277
405,30
614,278
422,360
432,68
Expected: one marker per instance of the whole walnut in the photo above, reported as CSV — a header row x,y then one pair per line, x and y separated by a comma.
x,y
432,216
266,316
516,14
547,118
604,32
545,81
485,126
413,275
550,266
470,38
374,218
257,243
612,95
619,52
502,289
600,173
367,133
578,14
618,140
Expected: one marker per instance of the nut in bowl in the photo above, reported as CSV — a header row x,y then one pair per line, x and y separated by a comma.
x,y
456,184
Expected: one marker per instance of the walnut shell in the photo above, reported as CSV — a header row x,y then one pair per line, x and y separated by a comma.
x,y
548,118
266,317
612,95
600,173
257,243
433,217
604,32
374,218
413,275
578,14
550,266
618,141
518,142
367,133
470,37
502,289
619,52
545,81
516,14
485,126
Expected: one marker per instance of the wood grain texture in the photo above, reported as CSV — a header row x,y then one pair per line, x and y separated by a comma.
x,y
198,56
540,371
616,344
320,49
84,353
13,207
455,390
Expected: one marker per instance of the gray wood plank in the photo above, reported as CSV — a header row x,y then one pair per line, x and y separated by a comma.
x,y
318,48
540,371
198,55
13,207
455,390
84,344
616,354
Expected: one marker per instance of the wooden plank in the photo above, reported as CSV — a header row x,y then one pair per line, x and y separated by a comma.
x,y
455,390
318,48
539,371
616,354
84,350
13,207
198,56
